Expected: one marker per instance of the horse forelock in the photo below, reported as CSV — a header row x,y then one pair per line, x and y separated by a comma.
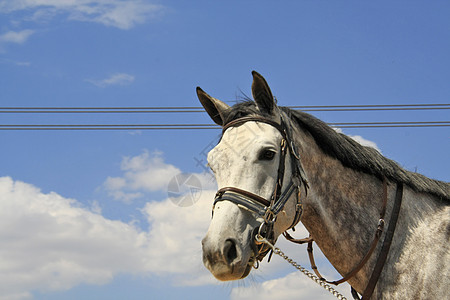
x,y
349,152
243,109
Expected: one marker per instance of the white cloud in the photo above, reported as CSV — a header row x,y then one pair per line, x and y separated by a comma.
x,y
15,62
23,63
123,14
365,142
51,243
361,140
179,231
114,79
142,173
145,173
16,37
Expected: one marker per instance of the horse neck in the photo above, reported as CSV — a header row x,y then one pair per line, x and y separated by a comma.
x,y
336,211
342,210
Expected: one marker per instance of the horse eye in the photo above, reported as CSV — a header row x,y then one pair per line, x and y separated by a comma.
x,y
267,155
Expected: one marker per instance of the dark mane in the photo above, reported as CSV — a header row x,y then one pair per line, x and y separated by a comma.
x,y
349,152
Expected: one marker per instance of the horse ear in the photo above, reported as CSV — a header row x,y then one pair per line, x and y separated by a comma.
x,y
214,107
262,94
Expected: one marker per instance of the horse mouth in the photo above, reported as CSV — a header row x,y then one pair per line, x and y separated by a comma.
x,y
250,265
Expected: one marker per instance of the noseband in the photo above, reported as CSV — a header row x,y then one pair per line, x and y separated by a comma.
x,y
269,209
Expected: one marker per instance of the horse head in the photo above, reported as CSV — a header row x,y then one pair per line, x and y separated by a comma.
x,y
259,176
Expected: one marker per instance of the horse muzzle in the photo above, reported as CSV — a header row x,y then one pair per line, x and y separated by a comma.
x,y
226,260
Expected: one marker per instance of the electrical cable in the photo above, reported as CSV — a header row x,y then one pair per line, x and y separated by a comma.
x,y
205,126
195,109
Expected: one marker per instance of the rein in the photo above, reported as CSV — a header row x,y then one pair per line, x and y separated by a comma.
x,y
382,257
269,209
361,264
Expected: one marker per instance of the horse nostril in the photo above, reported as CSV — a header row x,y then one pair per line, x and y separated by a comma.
x,y
230,251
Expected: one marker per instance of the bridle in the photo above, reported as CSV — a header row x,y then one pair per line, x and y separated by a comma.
x,y
269,209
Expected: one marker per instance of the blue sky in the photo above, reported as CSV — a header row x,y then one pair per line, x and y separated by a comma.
x,y
85,214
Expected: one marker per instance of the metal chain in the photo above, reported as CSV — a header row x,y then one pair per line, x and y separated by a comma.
x,y
313,277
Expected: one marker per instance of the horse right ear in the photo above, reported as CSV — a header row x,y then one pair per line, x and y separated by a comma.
x,y
262,94
214,107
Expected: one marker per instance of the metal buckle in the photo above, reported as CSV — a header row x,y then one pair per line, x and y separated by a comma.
x,y
380,228
259,238
381,224
269,216
283,144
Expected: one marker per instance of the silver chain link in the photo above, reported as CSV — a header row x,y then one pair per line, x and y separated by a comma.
x,y
313,277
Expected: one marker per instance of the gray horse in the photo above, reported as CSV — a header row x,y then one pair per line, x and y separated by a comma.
x,y
336,186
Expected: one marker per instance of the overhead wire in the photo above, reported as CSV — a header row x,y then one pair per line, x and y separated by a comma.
x,y
204,126
195,109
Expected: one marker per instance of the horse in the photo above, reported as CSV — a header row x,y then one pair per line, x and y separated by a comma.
x,y
276,166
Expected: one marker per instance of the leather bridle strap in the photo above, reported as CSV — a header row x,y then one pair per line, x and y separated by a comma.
x,y
381,260
247,194
243,120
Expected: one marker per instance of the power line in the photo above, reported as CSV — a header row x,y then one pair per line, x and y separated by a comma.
x,y
373,107
86,110
190,109
204,126
390,124
196,109
106,126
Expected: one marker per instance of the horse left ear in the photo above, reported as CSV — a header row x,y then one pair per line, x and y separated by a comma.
x,y
262,94
215,108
